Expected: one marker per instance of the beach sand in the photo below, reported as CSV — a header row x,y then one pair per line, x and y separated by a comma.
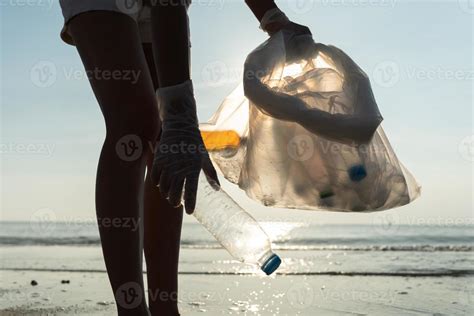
x,y
89,294
325,270
226,293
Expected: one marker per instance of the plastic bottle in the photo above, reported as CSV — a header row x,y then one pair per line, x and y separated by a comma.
x,y
235,229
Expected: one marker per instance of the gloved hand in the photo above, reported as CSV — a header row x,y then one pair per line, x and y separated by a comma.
x,y
275,20
180,154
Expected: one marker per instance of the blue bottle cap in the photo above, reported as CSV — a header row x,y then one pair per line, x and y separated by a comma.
x,y
271,264
357,173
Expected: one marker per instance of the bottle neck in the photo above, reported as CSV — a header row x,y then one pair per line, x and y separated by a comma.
x,y
264,258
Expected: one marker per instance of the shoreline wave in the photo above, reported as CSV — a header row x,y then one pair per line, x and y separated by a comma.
x,y
414,273
308,245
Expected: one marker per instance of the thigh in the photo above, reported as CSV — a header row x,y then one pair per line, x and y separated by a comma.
x,y
111,51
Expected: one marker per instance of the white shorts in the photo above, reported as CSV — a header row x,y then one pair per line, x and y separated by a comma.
x,y
136,9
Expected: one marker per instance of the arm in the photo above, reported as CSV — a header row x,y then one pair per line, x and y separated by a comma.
x,y
180,154
260,7
272,19
170,49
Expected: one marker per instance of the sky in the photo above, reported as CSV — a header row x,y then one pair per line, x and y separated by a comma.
x,y
418,55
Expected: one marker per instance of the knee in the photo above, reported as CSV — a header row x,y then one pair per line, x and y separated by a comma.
x,y
140,119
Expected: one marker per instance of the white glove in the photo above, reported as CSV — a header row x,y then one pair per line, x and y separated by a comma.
x,y
180,154
275,20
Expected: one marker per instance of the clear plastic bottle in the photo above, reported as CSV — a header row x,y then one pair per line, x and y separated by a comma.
x,y
235,229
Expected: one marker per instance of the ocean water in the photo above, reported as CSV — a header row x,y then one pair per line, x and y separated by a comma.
x,y
400,250
284,235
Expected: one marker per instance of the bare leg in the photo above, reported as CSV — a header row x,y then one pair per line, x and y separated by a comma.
x,y
163,222
109,43
162,237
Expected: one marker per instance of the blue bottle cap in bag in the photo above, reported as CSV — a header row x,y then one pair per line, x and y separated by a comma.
x,y
271,264
357,173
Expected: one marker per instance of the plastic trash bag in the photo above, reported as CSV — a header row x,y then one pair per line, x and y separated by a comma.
x,y
306,134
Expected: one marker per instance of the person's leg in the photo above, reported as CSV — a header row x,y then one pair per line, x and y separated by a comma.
x,y
162,237
111,51
170,60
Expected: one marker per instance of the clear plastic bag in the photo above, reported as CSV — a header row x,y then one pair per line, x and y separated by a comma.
x,y
306,133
